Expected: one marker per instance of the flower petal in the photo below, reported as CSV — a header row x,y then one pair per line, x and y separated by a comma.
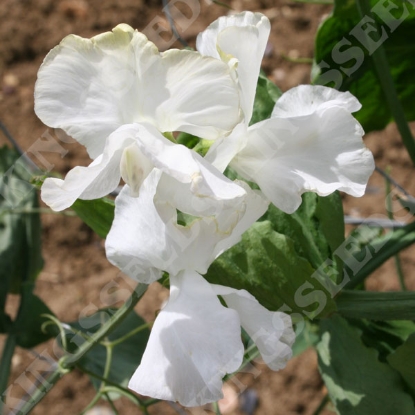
x,y
89,87
256,205
320,153
307,99
203,98
135,167
194,342
210,187
145,236
223,150
136,242
101,177
272,332
242,36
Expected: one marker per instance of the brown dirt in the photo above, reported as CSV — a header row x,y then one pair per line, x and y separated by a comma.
x,y
77,278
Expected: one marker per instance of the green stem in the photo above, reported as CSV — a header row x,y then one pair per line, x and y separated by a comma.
x,y
150,402
107,364
386,81
399,271
41,391
114,409
216,409
130,334
91,404
385,247
248,358
220,3
322,405
68,362
113,387
380,306
398,265
5,364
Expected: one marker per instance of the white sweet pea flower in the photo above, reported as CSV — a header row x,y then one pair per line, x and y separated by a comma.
x,y
310,143
239,40
195,340
115,93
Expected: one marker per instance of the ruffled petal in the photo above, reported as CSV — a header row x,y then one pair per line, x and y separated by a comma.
x,y
272,332
146,238
320,153
211,188
223,150
100,178
307,99
203,97
90,87
194,342
242,37
137,242
256,204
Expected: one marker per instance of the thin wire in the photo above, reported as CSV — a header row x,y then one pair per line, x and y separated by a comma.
x,y
166,10
16,146
177,408
375,222
389,179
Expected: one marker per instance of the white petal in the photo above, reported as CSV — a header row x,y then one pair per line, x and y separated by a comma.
x,y
255,206
272,332
101,177
307,99
186,166
224,149
242,36
321,153
203,98
136,242
90,87
135,167
194,342
145,236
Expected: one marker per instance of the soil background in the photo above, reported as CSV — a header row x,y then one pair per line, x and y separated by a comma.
x,y
77,279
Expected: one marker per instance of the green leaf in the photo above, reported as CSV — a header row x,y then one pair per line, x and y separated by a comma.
x,y
20,230
316,228
342,60
380,249
357,382
98,214
28,325
384,336
126,356
267,94
306,336
266,264
403,360
399,305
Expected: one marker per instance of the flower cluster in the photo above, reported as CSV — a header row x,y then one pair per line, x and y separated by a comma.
x,y
122,99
